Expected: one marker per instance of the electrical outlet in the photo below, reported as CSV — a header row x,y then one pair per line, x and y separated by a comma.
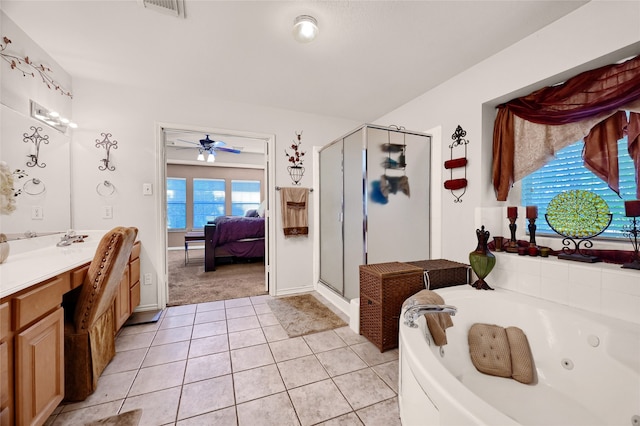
x,y
37,213
147,189
107,212
147,278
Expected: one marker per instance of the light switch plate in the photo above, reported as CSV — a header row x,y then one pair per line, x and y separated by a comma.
x,y
107,212
147,189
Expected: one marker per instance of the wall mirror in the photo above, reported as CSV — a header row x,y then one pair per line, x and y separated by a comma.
x,y
44,203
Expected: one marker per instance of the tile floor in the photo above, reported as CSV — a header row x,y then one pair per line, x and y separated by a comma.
x,y
231,363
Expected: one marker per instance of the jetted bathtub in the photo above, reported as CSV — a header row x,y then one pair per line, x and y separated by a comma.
x,y
587,366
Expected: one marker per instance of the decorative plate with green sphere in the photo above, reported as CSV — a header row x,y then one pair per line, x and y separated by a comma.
x,y
578,214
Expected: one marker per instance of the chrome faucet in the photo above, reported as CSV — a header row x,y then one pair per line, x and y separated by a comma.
x,y
413,311
69,238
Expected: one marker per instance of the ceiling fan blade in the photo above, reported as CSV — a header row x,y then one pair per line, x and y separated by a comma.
x,y
235,151
189,142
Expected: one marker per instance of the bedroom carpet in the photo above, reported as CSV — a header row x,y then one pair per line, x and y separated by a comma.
x,y
191,284
304,314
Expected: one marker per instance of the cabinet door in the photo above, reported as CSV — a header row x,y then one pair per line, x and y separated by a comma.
x,y
40,369
6,383
122,303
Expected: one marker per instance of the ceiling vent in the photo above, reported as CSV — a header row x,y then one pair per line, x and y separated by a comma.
x,y
169,7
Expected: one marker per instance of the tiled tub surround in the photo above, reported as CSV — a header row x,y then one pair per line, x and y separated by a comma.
x,y
231,363
599,287
587,366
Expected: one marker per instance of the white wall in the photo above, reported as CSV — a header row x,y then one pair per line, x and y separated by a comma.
x,y
599,33
131,116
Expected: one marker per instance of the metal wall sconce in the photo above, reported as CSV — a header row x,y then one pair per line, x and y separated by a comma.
x,y
107,145
34,153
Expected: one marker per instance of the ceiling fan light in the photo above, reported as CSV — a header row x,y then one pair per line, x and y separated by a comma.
x,y
211,158
200,156
305,28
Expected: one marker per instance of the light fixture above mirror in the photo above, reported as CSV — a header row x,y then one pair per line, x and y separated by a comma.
x,y
51,118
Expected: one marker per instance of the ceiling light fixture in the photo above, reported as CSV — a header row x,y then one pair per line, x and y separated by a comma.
x,y
305,28
211,158
200,156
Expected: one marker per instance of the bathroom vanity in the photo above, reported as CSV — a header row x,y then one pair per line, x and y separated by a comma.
x,y
33,281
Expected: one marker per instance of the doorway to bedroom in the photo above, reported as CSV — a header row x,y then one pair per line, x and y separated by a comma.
x,y
216,182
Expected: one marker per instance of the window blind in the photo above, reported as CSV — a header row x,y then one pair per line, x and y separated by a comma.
x,y
567,172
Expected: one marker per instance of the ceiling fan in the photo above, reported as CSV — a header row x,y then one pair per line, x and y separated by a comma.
x,y
210,146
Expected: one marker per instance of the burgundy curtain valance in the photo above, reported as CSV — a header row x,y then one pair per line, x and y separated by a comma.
x,y
596,94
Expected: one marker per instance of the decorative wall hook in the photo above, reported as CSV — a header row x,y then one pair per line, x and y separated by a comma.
x,y
296,171
457,163
107,145
36,139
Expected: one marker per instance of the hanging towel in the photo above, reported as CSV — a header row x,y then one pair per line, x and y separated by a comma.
x,y
436,322
294,211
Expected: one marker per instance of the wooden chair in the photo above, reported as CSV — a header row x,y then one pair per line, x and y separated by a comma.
x,y
89,334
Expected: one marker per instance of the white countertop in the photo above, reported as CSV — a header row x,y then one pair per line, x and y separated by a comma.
x,y
35,260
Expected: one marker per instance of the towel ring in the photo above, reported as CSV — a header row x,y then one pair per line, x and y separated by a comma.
x,y
105,189
34,186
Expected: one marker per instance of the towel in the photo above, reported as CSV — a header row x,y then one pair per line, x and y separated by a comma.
x,y
294,203
437,323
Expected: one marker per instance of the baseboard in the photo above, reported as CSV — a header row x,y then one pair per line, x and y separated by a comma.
x,y
294,290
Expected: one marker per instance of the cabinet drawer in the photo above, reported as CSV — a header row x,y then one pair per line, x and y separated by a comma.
x,y
5,321
35,303
134,271
135,251
77,276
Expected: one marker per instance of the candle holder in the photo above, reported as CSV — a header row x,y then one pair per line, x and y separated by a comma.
x,y
632,232
512,245
532,231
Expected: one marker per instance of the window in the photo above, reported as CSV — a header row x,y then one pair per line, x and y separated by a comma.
x,y
245,195
567,172
208,200
176,203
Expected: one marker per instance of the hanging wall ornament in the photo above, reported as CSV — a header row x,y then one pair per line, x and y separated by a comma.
x,y
34,150
107,145
296,171
458,164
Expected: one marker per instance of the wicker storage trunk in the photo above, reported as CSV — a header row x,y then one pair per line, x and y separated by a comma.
x,y
383,289
440,273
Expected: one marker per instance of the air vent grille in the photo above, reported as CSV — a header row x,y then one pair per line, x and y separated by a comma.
x,y
170,7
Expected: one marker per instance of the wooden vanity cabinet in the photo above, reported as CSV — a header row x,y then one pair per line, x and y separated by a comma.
x,y
32,341
128,295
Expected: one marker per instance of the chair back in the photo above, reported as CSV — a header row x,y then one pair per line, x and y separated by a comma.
x,y
104,276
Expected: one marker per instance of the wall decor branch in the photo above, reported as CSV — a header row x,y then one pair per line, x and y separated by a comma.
x,y
27,67
107,145
36,139
460,183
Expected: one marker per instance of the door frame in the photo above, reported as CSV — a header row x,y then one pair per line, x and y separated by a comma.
x,y
161,200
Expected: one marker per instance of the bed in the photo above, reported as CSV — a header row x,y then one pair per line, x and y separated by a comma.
x,y
233,236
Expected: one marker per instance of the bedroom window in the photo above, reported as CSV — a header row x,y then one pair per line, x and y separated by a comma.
x,y
176,203
566,172
245,195
208,200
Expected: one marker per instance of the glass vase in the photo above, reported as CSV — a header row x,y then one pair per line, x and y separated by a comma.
x,y
482,260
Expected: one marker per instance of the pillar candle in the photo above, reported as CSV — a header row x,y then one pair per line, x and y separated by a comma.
x,y
532,212
632,208
512,212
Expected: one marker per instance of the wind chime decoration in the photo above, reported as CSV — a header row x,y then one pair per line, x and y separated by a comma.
x,y
455,185
107,145
295,169
34,150
396,160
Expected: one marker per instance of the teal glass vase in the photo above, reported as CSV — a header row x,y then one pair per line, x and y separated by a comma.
x,y
482,260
